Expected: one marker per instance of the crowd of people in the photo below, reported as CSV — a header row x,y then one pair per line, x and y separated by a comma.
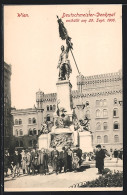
x,y
38,161
43,161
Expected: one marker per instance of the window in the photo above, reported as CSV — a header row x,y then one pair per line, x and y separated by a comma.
x,y
98,126
54,107
105,102
98,113
116,138
115,101
98,139
97,102
16,122
20,121
29,120
115,112
16,132
105,125
47,108
17,144
34,120
34,143
50,107
34,131
20,132
105,139
48,117
116,125
30,132
105,113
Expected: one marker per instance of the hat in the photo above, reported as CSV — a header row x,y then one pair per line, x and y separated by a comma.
x,y
98,146
77,145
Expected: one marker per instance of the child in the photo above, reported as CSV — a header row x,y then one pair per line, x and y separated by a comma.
x,y
75,162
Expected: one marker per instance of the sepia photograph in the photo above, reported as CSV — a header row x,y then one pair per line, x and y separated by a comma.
x,y
63,98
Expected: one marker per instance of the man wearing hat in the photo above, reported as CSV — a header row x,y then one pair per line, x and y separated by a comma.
x,y
100,155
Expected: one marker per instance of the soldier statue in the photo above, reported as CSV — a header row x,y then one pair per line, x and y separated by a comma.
x,y
64,64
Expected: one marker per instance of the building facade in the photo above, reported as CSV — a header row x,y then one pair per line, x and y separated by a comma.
x,y
99,97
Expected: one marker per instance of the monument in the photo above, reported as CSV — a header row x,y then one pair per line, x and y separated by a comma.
x,y
66,131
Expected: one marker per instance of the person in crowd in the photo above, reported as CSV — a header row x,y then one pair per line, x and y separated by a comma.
x,y
64,158
69,159
41,161
15,164
32,161
115,153
24,159
100,155
75,162
28,161
45,162
79,154
55,160
6,162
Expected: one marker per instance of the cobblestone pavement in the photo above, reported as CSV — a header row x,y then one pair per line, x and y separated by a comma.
x,y
45,182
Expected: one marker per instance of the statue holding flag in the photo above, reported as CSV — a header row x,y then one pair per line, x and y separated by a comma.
x,y
64,63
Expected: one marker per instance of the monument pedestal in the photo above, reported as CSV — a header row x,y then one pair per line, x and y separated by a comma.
x,y
64,96
85,141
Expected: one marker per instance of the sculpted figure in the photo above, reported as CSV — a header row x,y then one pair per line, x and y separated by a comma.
x,y
64,64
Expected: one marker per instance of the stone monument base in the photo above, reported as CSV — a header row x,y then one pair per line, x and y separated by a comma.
x,y
85,141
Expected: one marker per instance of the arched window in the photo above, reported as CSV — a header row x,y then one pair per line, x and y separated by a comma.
x,y
20,132
98,126
105,139
115,112
98,139
105,125
48,117
20,121
50,107
98,113
116,138
115,101
29,120
16,132
116,125
88,114
54,107
30,132
34,131
105,113
34,120
16,122
47,108
105,102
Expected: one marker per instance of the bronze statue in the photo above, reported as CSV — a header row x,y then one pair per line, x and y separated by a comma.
x,y
64,64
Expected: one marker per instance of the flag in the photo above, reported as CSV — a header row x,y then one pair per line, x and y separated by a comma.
x,y
64,34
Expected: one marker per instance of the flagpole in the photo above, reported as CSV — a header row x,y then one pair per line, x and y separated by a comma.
x,y
74,60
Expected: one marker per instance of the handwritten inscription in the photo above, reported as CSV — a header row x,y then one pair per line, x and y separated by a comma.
x,y
22,15
90,17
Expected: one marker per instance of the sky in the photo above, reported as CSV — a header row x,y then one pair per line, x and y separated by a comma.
x,y
32,45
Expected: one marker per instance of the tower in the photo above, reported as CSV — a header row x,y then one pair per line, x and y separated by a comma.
x,y
39,99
